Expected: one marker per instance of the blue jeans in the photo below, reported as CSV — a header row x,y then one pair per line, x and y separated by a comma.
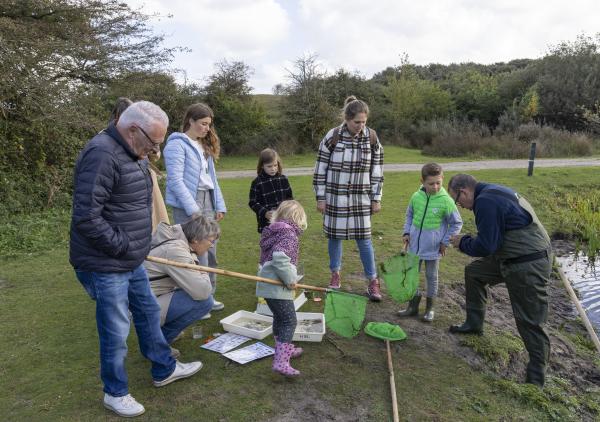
x,y
367,256
184,311
114,294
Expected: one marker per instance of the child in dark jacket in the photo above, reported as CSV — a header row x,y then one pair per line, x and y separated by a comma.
x,y
269,189
279,247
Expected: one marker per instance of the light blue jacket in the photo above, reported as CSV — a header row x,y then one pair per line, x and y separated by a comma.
x,y
431,220
279,268
184,165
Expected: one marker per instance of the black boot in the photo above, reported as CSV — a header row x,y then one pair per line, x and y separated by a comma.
x,y
536,374
473,324
429,313
413,307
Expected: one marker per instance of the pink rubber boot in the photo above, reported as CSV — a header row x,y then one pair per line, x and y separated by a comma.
x,y
281,360
297,350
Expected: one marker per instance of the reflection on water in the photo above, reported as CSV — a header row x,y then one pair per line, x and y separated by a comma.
x,y
585,279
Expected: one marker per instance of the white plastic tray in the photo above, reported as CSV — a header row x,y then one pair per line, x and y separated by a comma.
x,y
300,335
229,324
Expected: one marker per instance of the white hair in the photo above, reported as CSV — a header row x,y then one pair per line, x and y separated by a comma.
x,y
143,114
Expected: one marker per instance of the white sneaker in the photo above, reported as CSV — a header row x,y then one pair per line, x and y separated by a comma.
x,y
125,406
207,316
182,370
217,306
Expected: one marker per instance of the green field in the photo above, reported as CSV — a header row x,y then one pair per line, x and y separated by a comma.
x,y
49,351
393,154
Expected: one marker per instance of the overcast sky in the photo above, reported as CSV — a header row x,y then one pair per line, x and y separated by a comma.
x,y
363,36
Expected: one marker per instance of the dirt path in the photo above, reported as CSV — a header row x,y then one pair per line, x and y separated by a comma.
x,y
452,166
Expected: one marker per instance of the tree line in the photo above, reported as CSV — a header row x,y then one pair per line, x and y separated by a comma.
x,y
63,63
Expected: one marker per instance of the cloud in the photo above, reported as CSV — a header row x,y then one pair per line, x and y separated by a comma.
x,y
268,35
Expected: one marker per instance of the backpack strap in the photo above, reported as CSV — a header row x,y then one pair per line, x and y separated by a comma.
x,y
372,137
334,139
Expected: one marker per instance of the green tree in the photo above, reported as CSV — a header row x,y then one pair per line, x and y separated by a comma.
x,y
240,120
413,99
57,56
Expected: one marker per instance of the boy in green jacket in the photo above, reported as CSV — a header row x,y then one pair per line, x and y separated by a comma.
x,y
431,218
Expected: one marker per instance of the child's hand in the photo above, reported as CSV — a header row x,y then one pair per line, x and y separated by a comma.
x,y
442,249
321,206
375,207
405,242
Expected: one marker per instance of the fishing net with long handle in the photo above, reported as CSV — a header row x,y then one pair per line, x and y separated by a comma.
x,y
344,312
401,276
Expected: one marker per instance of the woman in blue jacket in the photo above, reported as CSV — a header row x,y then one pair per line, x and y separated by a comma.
x,y
192,185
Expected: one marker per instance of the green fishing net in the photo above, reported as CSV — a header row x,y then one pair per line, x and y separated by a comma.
x,y
385,331
401,276
345,313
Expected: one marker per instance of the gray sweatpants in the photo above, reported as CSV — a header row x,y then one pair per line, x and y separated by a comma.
x,y
431,276
209,259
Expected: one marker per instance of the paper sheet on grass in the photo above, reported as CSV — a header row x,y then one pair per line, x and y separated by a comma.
x,y
247,354
225,342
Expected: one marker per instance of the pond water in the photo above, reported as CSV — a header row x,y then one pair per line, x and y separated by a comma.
x,y
585,279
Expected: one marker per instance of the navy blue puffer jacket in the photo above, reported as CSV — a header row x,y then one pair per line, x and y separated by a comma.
x,y
111,224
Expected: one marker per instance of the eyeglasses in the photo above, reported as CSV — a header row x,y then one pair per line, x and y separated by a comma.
x,y
154,144
457,198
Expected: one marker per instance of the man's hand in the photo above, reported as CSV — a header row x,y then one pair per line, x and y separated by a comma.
x,y
268,215
442,249
375,207
219,216
455,240
321,206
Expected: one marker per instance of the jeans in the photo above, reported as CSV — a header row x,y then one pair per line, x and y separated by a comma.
x,y
431,275
284,319
367,256
183,311
115,294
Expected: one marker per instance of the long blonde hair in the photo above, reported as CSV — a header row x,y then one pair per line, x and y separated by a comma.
x,y
211,142
291,210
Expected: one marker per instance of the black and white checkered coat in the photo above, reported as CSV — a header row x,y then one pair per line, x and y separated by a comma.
x,y
348,179
266,193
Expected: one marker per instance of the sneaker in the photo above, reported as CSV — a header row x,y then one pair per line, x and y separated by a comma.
x,y
335,282
182,370
373,290
207,316
125,406
217,306
175,353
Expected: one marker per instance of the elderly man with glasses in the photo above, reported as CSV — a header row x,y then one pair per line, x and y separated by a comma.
x,y
110,237
512,247
184,295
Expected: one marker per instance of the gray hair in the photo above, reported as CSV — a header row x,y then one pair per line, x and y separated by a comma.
x,y
461,181
144,114
200,227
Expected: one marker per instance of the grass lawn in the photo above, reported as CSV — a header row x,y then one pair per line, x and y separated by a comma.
x,y
393,154
49,352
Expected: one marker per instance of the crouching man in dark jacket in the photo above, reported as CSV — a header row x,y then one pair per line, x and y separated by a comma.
x,y
110,237
514,249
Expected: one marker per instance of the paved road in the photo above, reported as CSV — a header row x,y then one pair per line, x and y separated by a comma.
x,y
453,166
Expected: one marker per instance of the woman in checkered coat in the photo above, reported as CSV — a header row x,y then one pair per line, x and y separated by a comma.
x,y
348,181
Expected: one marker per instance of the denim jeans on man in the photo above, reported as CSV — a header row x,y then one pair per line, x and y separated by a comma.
x,y
367,256
115,294
184,311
